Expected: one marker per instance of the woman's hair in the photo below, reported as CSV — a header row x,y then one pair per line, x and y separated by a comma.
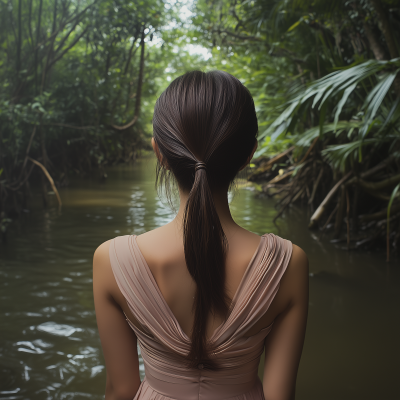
x,y
209,118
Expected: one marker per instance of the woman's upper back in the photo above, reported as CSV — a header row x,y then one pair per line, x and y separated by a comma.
x,y
159,288
162,249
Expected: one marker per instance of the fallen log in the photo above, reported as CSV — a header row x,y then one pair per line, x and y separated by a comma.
x,y
322,207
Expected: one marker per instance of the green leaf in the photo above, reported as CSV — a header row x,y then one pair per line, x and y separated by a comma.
x,y
322,118
374,100
295,25
395,190
392,197
342,102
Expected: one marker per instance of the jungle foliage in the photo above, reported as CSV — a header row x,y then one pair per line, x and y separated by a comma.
x,y
77,85
79,79
325,77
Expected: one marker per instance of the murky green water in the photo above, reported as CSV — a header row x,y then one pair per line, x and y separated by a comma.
x,y
49,346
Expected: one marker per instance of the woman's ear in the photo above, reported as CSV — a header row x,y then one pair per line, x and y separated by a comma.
x,y
158,153
250,156
156,150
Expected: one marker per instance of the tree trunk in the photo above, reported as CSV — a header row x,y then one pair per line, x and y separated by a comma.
x,y
140,78
18,63
44,162
138,90
130,55
51,46
376,47
30,25
37,41
384,26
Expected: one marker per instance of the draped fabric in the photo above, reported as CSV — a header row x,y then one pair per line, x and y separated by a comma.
x,y
164,345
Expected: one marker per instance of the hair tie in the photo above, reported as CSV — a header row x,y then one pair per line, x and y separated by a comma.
x,y
200,165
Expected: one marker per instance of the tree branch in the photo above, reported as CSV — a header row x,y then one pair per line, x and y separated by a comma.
x,y
320,210
66,50
138,90
48,176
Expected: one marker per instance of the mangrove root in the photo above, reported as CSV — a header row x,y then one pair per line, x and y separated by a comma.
x,y
380,214
322,207
48,176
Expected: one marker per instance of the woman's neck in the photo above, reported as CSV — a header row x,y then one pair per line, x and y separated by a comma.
x,y
220,198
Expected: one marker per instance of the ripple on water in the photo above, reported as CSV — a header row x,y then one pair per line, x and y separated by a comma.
x,y
29,347
57,329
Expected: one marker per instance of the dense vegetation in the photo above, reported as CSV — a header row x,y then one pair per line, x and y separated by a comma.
x,y
77,84
325,76
79,80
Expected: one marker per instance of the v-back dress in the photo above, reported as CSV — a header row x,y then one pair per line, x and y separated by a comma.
x,y
164,345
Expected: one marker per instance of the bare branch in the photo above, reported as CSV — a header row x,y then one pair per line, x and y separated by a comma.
x,y
320,210
138,90
66,50
48,176
81,13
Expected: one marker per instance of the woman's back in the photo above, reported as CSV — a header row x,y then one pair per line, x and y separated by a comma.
x,y
201,295
163,250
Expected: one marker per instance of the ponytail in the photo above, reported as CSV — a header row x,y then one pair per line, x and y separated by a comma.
x,y
205,249
209,117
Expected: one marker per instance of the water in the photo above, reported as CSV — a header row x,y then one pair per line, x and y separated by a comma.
x,y
49,345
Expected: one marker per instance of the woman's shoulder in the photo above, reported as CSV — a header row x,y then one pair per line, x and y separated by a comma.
x,y
101,257
101,253
294,282
298,258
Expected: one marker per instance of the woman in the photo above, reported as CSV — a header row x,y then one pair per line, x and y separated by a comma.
x,y
203,296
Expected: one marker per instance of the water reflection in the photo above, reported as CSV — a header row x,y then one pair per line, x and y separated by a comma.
x,y
49,345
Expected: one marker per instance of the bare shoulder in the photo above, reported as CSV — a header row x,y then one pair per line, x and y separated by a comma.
x,y
103,276
294,283
101,257
298,263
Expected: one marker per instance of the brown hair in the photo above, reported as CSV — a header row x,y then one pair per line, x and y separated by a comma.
x,y
210,118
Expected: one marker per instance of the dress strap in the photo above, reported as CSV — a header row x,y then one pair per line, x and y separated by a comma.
x,y
258,288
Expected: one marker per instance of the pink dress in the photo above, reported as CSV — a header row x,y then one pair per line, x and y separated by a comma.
x,y
164,345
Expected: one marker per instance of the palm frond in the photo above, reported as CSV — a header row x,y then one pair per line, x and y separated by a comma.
x,y
340,85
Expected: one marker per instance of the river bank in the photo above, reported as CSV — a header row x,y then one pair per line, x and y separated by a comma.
x,y
50,348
